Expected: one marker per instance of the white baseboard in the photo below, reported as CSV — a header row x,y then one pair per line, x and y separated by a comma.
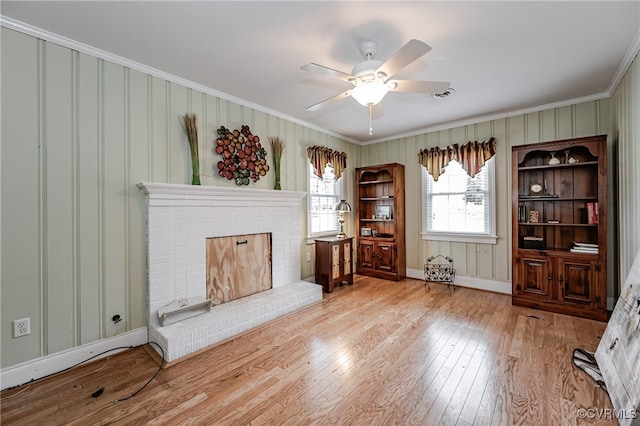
x,y
488,285
470,282
38,368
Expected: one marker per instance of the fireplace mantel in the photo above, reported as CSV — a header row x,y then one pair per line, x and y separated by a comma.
x,y
172,190
179,220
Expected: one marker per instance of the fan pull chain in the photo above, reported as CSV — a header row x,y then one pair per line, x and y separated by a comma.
x,y
370,121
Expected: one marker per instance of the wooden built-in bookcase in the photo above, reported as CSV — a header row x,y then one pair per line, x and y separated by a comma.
x,y
559,226
380,221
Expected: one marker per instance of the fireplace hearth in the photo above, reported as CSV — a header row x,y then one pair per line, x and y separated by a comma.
x,y
180,220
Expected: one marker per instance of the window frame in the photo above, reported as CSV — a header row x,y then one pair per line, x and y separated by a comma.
x,y
340,189
488,237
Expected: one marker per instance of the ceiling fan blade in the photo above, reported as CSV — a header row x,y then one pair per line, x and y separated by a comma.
x,y
329,72
328,101
420,86
403,57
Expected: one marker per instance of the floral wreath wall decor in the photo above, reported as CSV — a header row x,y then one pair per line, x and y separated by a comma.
x,y
243,157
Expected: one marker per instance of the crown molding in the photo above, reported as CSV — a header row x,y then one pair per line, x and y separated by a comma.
x,y
22,27
491,117
632,52
48,36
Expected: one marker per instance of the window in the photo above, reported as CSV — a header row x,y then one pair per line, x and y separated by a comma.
x,y
323,195
458,207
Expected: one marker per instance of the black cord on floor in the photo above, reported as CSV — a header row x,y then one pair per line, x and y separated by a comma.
x,y
149,381
101,390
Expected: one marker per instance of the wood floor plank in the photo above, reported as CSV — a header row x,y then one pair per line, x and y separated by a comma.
x,y
456,402
489,343
373,353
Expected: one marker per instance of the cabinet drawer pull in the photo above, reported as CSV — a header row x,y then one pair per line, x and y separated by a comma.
x,y
242,242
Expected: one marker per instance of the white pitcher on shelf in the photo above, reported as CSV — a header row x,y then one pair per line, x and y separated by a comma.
x,y
553,159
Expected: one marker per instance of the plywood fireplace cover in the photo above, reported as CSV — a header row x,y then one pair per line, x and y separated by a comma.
x,y
238,266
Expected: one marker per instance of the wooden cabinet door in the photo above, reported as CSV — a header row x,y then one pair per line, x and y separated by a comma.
x,y
385,257
534,277
347,258
365,254
576,280
335,262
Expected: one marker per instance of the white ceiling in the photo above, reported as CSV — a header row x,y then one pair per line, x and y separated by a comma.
x,y
500,57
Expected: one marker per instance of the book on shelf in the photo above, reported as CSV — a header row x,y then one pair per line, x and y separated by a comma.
x,y
533,242
588,245
592,213
523,213
584,248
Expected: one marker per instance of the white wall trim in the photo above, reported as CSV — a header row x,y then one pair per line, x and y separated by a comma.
x,y
470,282
90,50
632,52
36,369
487,285
489,117
25,28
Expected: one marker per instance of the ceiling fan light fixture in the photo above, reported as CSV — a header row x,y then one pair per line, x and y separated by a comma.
x,y
368,93
371,77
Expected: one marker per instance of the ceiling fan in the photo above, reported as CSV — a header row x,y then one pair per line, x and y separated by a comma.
x,y
372,79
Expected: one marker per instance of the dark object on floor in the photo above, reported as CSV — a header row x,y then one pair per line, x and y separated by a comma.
x,y
586,361
97,393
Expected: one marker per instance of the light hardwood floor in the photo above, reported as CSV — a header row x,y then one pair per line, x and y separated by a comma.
x,y
375,353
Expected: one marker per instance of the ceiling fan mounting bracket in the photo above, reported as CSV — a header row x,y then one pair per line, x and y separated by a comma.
x,y
368,48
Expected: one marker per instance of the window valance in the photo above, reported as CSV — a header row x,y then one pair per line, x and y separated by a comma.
x,y
320,156
471,157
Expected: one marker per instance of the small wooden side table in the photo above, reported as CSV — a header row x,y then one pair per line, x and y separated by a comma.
x,y
334,262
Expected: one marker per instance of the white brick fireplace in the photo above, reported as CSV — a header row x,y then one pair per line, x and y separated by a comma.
x,y
180,219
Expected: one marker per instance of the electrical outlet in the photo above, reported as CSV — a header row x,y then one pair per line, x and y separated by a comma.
x,y
308,257
21,327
